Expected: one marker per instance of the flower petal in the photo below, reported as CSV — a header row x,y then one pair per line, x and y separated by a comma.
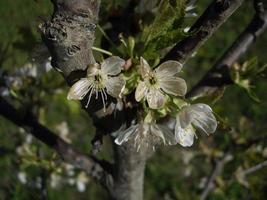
x,y
173,85
127,134
112,65
79,89
155,130
168,68
168,135
114,86
203,118
145,68
184,136
140,91
155,98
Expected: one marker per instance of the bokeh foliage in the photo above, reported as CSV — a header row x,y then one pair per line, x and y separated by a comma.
x,y
173,172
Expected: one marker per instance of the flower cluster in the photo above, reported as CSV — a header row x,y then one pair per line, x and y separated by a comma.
x,y
159,91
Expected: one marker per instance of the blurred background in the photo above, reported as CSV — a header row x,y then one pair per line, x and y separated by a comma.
x,y
29,170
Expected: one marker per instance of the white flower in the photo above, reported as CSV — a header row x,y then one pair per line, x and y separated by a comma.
x,y
22,176
162,80
197,115
189,10
55,180
146,135
81,182
100,79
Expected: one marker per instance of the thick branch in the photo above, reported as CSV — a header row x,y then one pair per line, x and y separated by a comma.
x,y
214,16
87,163
219,73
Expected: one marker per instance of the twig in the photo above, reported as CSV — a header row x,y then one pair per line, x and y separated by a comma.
x,y
99,170
215,173
254,168
218,75
213,17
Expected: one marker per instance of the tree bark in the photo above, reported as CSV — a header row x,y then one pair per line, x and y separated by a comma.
x,y
129,173
69,36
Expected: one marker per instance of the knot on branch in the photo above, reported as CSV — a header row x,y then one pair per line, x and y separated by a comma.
x,y
70,39
222,5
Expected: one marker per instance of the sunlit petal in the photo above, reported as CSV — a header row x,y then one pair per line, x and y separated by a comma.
x,y
112,65
114,86
79,89
155,98
140,91
168,68
173,85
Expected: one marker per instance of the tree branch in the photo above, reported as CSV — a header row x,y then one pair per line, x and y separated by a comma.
x,y
99,170
213,17
215,173
218,75
254,168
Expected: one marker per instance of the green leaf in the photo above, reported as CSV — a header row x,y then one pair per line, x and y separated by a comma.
x,y
169,12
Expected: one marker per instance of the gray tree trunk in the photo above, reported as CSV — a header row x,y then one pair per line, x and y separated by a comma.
x,y
129,173
69,36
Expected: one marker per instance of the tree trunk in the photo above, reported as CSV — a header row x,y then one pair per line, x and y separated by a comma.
x,y
129,173
69,36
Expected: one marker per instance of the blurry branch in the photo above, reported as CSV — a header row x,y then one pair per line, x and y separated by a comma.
x,y
218,75
95,168
254,168
213,17
215,173
219,166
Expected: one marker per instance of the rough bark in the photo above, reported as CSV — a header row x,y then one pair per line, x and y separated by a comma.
x,y
69,36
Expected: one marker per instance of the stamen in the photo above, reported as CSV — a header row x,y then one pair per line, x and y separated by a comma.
x,y
90,95
96,97
103,100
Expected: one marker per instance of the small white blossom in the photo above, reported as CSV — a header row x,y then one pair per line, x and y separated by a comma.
x,y
22,176
81,182
146,135
55,180
197,115
189,10
100,79
162,80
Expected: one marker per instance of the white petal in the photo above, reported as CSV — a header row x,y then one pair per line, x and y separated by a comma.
x,y
140,91
127,134
173,85
184,136
203,118
169,68
145,68
155,130
168,135
79,89
114,86
112,65
185,117
155,98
